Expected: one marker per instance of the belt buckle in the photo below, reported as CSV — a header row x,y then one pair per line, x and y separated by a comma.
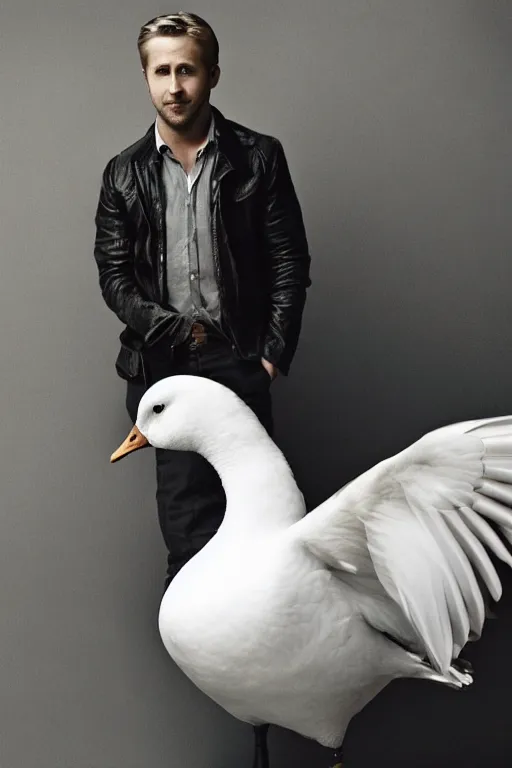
x,y
198,333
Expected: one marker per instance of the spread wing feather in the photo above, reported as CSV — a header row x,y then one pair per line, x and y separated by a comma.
x,y
420,526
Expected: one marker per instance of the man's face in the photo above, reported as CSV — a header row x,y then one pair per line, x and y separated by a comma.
x,y
178,79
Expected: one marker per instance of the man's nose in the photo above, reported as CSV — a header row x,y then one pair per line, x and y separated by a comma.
x,y
174,84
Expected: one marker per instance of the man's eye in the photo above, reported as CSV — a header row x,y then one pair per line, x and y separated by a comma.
x,y
165,71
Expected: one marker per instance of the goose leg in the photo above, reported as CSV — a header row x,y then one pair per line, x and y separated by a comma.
x,y
336,759
260,747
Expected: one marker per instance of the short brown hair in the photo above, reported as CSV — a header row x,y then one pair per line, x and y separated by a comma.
x,y
175,24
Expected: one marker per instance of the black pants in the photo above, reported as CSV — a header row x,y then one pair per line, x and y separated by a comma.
x,y
190,498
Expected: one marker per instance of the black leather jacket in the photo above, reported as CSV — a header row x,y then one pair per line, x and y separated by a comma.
x,y
259,246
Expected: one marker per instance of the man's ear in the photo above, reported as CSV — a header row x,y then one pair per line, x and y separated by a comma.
x,y
215,74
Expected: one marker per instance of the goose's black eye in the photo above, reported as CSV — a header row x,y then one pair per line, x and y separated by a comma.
x,y
158,408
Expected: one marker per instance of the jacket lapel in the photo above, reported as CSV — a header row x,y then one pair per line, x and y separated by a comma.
x,y
148,161
230,156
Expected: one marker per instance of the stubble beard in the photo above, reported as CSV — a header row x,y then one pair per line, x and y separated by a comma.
x,y
182,123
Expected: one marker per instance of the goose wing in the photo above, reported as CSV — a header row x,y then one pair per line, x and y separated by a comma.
x,y
422,523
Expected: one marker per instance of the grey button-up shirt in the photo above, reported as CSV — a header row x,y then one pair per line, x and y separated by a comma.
x,y
191,280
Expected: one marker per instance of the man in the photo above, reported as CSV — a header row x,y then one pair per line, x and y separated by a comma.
x,y
202,254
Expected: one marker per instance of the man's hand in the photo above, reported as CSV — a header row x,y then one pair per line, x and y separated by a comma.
x,y
270,368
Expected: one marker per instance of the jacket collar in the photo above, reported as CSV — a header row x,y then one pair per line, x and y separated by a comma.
x,y
231,151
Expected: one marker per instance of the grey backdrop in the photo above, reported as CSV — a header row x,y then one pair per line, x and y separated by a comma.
x,y
395,117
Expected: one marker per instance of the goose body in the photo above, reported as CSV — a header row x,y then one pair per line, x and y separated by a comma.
x,y
300,620
264,637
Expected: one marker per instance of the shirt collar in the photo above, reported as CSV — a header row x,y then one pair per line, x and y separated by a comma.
x,y
160,143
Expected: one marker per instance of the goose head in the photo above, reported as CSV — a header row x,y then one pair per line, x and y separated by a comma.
x,y
188,413
192,413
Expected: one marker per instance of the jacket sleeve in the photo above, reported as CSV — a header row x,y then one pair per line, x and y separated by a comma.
x,y
288,252
113,252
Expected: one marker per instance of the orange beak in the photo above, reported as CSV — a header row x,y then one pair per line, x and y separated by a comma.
x,y
133,442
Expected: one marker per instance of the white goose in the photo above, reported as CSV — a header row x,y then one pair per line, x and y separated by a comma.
x,y
300,620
